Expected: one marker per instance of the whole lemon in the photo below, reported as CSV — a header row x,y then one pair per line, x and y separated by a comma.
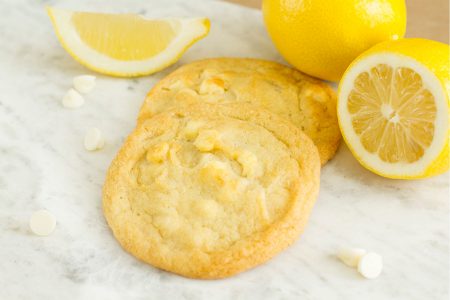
x,y
322,37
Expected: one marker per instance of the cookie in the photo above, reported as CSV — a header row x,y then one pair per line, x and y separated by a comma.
x,y
210,191
307,102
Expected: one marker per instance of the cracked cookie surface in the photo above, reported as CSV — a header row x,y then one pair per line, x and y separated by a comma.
x,y
210,191
307,102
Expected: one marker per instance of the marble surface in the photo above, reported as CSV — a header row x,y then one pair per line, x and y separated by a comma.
x,y
43,165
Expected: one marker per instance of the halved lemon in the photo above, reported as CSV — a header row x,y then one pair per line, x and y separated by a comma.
x,y
393,108
125,44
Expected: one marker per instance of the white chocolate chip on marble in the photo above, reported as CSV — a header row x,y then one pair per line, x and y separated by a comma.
x,y
351,256
370,265
84,83
93,140
42,222
72,99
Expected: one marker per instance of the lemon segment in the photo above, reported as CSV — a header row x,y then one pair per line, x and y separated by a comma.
x,y
393,109
125,44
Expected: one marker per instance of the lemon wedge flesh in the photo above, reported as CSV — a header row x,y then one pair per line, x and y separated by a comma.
x,y
393,108
125,44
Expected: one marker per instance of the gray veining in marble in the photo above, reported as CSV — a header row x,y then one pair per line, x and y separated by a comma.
x,y
43,165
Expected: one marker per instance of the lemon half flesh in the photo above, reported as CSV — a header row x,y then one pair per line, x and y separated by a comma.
x,y
393,108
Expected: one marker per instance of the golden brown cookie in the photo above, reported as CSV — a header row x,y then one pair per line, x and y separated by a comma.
x,y
307,102
210,191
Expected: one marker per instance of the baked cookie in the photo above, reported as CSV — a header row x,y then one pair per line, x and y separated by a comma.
x,y
307,102
211,191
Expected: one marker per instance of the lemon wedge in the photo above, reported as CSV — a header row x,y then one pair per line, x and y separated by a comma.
x,y
125,45
393,108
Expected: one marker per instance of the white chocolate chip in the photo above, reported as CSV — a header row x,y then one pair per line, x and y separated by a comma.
x,y
84,83
72,99
351,256
42,222
93,140
191,129
370,265
249,163
157,153
207,73
214,171
177,85
206,140
261,198
212,86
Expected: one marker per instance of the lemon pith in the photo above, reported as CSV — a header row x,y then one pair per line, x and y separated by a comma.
x,y
393,109
125,45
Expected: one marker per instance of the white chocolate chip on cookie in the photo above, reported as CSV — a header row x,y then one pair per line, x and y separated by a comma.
x,y
261,198
207,73
191,129
249,163
212,85
206,140
157,153
177,85
214,172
